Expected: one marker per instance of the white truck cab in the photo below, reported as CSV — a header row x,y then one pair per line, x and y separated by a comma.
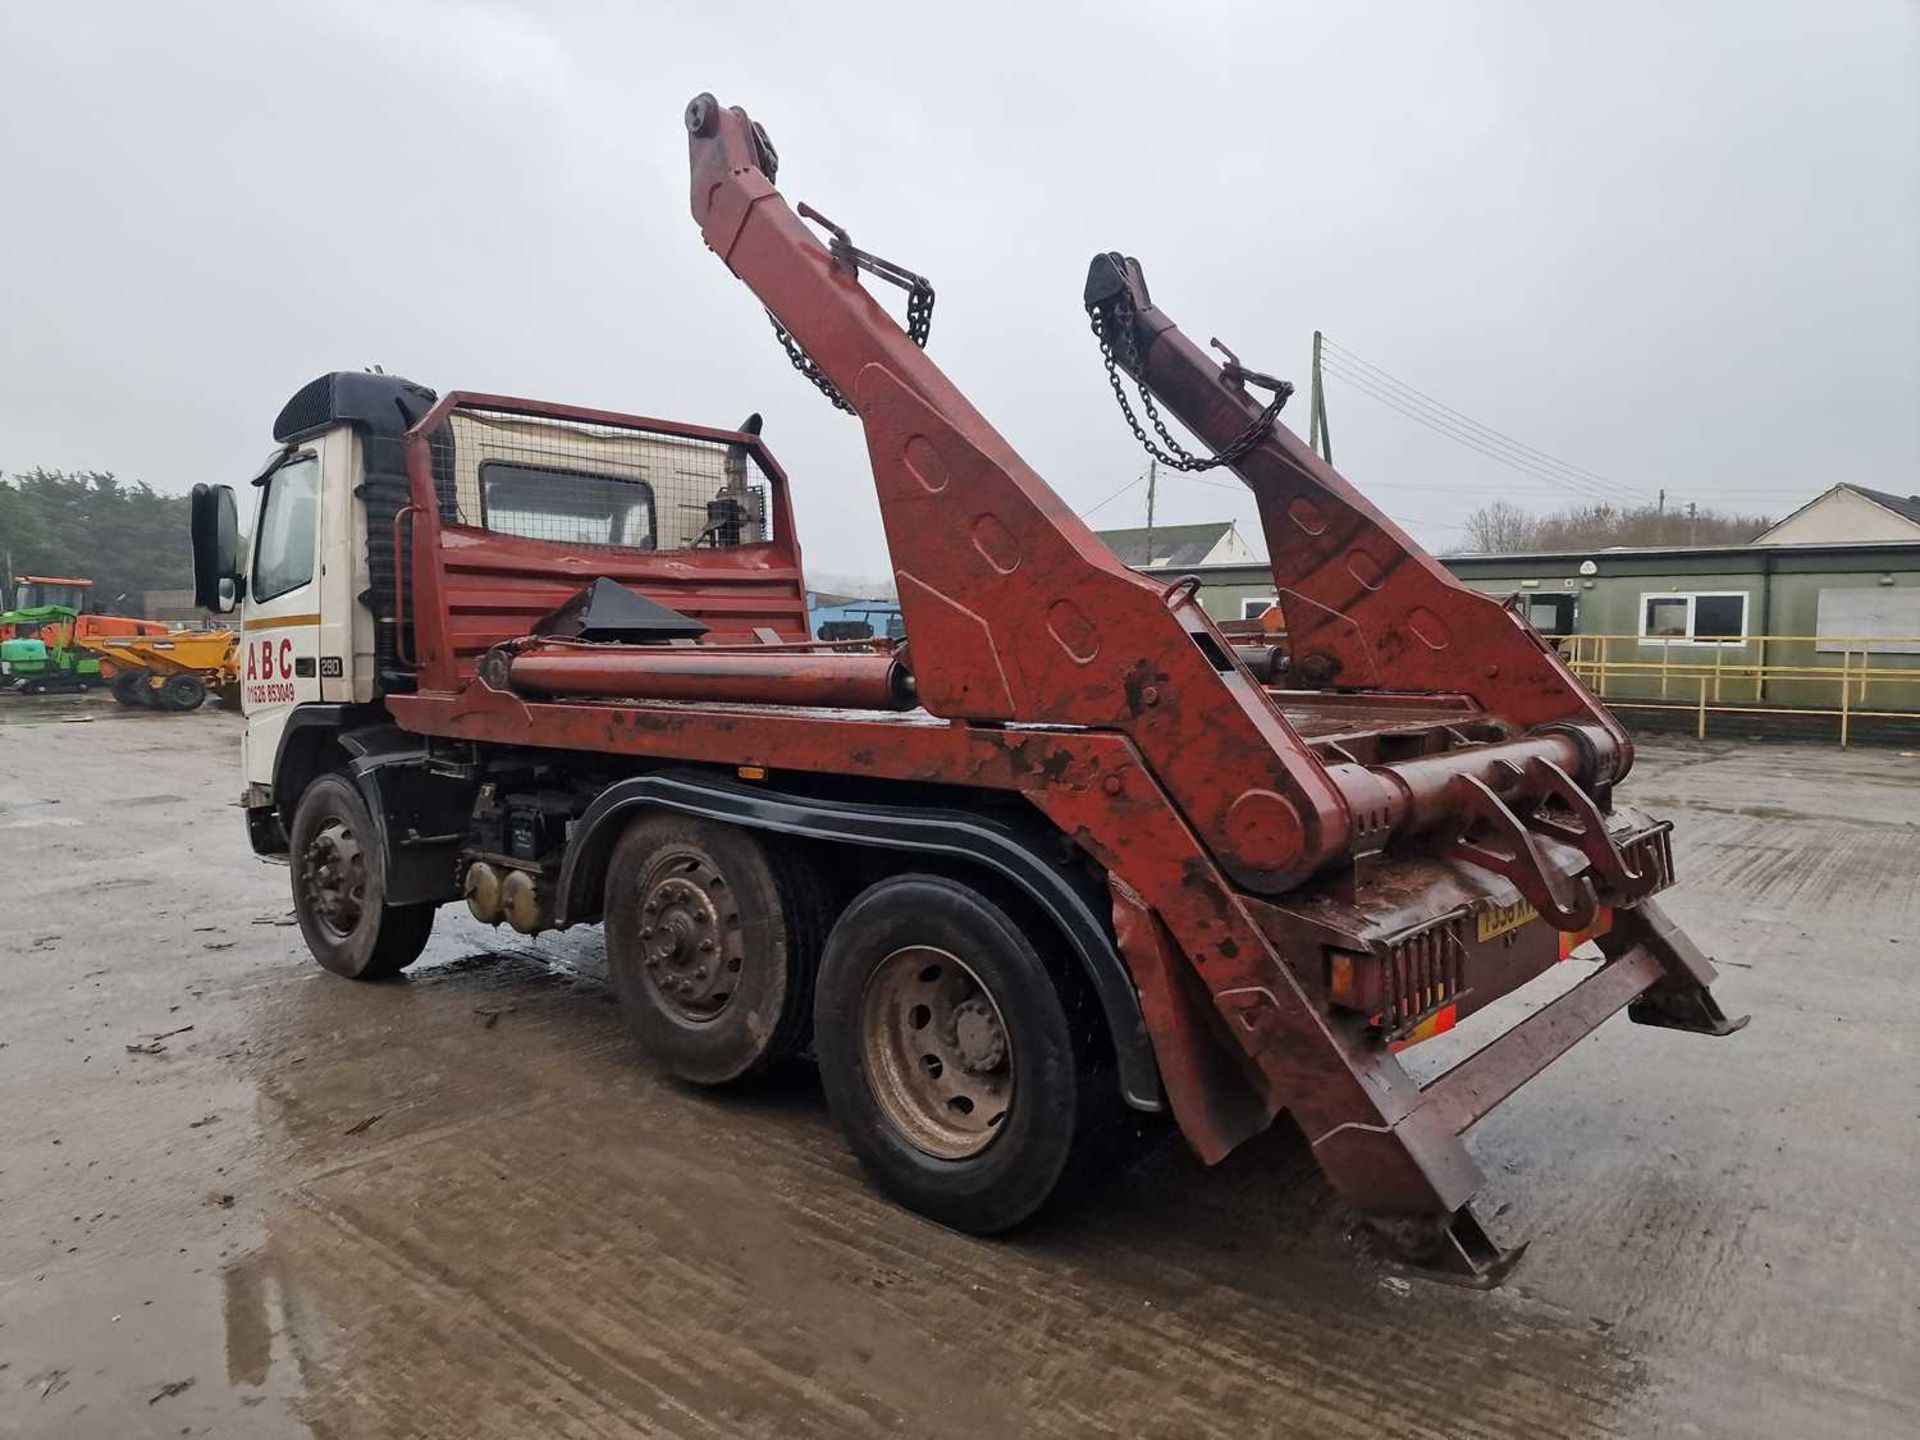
x,y
313,580
306,635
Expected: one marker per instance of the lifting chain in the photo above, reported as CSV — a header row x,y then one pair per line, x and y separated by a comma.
x,y
803,362
1115,316
919,305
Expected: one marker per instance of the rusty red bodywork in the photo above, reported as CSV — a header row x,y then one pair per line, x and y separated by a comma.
x,y
1301,868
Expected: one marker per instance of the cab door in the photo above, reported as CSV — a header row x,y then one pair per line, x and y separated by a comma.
x,y
280,631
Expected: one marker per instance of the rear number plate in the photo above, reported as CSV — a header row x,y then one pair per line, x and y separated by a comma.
x,y
1502,918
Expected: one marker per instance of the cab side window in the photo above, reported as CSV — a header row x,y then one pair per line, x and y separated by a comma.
x,y
283,554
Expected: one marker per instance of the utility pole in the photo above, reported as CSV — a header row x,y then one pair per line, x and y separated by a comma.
x,y
1318,440
1693,524
1661,509
1153,476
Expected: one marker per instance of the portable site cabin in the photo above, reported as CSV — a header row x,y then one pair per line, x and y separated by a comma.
x,y
1767,626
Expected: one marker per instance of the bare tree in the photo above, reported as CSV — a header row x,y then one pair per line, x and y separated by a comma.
x,y
1500,528
1592,526
1503,528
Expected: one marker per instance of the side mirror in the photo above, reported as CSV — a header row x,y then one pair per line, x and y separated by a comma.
x,y
216,548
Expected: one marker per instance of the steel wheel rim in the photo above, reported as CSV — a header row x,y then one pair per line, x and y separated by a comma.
x,y
937,1052
692,945
336,878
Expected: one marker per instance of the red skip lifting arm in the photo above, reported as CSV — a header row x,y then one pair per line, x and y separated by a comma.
x,y
1016,610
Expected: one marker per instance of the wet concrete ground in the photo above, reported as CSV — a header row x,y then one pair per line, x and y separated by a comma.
x,y
463,1205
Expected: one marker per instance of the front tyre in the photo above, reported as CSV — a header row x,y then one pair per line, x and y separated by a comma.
x,y
340,886
948,1057
182,693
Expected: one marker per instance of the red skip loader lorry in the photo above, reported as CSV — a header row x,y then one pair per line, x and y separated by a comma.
x,y
1067,851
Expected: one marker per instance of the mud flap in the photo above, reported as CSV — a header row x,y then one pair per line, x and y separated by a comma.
x,y
422,814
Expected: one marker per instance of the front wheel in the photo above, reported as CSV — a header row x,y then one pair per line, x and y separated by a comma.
x,y
948,1054
340,887
182,693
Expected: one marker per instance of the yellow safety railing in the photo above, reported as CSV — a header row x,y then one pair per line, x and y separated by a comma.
x,y
1639,672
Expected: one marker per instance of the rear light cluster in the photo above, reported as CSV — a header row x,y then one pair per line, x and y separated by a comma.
x,y
1419,975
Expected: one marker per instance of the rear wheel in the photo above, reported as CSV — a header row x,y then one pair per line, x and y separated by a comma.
x,y
130,688
948,1054
713,935
340,885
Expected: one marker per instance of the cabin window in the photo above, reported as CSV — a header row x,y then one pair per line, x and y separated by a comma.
x,y
1254,608
35,593
567,507
1715,617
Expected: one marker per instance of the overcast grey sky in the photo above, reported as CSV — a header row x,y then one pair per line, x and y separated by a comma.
x,y
1673,244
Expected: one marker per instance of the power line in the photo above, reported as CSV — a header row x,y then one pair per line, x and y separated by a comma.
x,y
1380,485
1440,423
1499,456
1426,488
1498,438
1400,519
1417,405
1421,397
1137,480
1216,484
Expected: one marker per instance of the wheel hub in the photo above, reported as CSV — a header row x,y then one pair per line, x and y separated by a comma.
x,y
334,873
690,936
976,1036
937,1052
